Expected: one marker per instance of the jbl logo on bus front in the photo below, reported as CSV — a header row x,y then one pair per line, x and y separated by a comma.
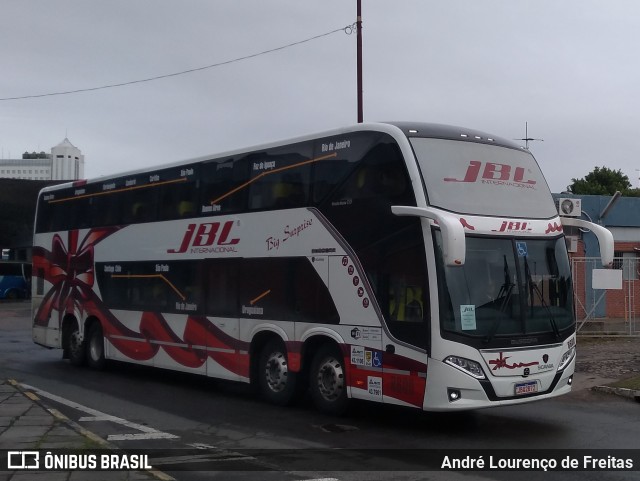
x,y
493,172
206,235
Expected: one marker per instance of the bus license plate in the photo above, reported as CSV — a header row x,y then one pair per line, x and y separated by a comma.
x,y
526,388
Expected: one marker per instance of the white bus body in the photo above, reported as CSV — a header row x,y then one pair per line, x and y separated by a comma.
x,y
412,264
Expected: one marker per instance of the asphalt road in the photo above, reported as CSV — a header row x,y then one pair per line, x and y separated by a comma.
x,y
139,408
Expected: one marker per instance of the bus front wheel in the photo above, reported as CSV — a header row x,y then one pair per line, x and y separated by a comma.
x,y
277,383
328,382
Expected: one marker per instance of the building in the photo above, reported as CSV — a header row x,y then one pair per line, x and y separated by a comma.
x,y
611,310
18,200
65,162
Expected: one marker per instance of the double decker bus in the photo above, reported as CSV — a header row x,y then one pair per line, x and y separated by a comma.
x,y
414,264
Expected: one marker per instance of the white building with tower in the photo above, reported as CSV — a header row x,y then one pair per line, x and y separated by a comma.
x,y
65,162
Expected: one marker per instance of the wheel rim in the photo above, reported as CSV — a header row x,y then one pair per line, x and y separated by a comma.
x,y
330,379
75,343
276,371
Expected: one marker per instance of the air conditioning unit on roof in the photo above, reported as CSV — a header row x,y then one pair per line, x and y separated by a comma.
x,y
569,207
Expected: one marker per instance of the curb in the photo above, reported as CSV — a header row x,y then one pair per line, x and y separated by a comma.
x,y
619,391
103,443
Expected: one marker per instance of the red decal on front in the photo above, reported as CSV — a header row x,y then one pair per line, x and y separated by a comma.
x,y
502,362
465,224
555,227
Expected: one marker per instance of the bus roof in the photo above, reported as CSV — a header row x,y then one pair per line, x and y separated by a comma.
x,y
405,128
451,132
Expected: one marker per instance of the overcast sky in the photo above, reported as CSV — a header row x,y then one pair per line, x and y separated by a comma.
x,y
569,68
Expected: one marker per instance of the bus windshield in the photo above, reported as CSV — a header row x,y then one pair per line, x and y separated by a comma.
x,y
501,181
507,288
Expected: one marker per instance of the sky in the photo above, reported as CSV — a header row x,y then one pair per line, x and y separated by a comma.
x,y
567,69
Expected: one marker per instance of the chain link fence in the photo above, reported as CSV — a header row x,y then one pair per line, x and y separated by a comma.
x,y
606,312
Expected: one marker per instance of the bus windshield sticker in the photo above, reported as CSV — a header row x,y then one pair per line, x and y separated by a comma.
x,y
468,317
522,249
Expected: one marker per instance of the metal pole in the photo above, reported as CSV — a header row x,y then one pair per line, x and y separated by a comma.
x,y
359,61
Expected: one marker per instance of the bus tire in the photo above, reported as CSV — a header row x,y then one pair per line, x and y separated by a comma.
x,y
95,347
277,384
327,380
75,346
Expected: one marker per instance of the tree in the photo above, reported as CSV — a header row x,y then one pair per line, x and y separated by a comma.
x,y
603,181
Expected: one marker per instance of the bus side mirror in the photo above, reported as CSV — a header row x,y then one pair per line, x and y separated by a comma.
x,y
604,236
453,240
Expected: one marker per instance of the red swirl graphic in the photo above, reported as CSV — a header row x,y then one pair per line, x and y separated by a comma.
x,y
70,270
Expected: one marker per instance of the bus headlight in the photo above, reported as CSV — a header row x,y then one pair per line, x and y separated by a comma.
x,y
566,358
466,365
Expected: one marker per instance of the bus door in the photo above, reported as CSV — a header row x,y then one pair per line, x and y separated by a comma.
x,y
404,301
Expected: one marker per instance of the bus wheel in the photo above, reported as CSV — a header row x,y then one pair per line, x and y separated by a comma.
x,y
327,381
277,383
76,349
95,346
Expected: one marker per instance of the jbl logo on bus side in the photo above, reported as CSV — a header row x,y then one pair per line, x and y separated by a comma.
x,y
206,235
492,172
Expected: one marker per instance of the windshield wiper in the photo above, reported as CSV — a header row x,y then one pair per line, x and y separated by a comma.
x,y
505,292
534,288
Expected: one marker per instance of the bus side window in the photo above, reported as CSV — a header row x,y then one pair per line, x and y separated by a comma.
x,y
56,216
106,209
312,300
280,178
265,289
178,201
327,174
140,205
380,173
222,287
45,215
40,281
223,186
82,212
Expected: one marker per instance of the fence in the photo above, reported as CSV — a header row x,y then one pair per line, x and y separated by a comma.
x,y
606,312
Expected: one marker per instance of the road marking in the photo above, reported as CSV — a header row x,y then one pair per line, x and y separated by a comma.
x,y
201,446
140,436
145,433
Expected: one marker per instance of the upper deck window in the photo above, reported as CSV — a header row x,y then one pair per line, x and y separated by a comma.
x,y
474,178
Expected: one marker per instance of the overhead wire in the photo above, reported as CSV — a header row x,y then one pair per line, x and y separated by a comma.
x,y
347,29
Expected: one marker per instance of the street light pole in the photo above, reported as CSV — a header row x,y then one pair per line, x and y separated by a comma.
x,y
359,60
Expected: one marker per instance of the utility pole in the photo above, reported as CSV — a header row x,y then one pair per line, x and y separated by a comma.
x,y
359,60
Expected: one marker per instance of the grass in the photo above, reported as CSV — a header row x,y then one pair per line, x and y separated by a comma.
x,y
631,383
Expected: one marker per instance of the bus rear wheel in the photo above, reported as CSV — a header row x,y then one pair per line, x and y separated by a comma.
x,y
277,383
95,347
328,383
